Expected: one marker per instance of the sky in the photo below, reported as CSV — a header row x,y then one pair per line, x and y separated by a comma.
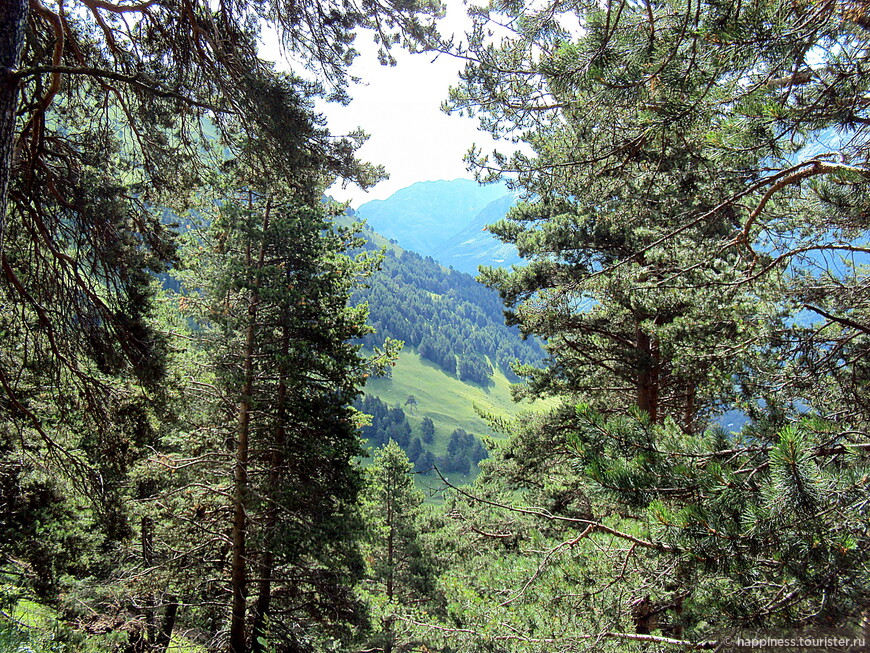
x,y
399,107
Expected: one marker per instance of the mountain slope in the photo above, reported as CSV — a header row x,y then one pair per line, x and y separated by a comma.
x,y
450,318
448,402
457,356
422,216
474,246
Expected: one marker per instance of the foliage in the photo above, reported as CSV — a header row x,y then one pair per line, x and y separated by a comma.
x,y
118,119
449,318
683,238
190,456
678,199
390,425
399,575
270,298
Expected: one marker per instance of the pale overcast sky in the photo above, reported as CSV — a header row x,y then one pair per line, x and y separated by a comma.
x,y
399,107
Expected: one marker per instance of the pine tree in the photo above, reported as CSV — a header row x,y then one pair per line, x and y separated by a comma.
x,y
400,576
113,116
665,192
676,224
427,430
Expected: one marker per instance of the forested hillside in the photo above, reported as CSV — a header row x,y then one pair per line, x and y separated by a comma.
x,y
449,317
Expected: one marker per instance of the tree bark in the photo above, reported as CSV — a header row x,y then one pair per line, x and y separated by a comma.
x,y
648,375
691,412
147,558
164,637
388,625
238,643
240,490
13,24
267,561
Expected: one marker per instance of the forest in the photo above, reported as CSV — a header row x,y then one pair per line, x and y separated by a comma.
x,y
390,426
450,319
182,464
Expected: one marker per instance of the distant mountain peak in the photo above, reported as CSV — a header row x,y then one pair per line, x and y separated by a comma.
x,y
424,215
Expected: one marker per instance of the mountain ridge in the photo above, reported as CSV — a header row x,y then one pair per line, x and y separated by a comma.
x,y
421,217
474,245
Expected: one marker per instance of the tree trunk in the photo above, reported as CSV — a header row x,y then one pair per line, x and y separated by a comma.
x,y
238,642
691,412
240,491
147,559
13,24
267,561
264,602
164,637
388,625
648,375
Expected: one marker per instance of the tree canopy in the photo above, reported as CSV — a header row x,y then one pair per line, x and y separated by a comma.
x,y
125,127
693,174
181,446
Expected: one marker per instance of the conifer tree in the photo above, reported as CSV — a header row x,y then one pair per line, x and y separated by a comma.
x,y
112,117
400,577
668,152
113,121
276,287
676,223
427,430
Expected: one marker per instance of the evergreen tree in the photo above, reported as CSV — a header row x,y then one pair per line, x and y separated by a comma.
x,y
425,461
415,448
664,192
113,117
400,575
674,221
272,304
427,430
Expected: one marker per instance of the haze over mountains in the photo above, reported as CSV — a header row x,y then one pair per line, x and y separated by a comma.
x,y
446,220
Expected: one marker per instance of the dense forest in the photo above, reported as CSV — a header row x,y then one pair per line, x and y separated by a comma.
x,y
450,318
183,469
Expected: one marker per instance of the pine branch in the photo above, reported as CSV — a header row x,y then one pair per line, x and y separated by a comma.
x,y
540,512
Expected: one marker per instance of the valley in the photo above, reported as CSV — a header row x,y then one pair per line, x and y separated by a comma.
x,y
458,351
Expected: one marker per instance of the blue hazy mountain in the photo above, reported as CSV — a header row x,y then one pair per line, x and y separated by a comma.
x,y
474,245
423,216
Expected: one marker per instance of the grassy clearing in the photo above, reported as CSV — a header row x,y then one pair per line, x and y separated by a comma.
x,y
447,401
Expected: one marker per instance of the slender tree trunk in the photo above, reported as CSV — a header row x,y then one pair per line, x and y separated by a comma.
x,y
240,492
147,558
264,601
648,375
13,24
691,412
388,626
164,637
238,581
267,561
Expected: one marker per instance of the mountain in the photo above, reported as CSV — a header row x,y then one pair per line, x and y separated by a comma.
x,y
456,359
474,246
424,215
446,315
